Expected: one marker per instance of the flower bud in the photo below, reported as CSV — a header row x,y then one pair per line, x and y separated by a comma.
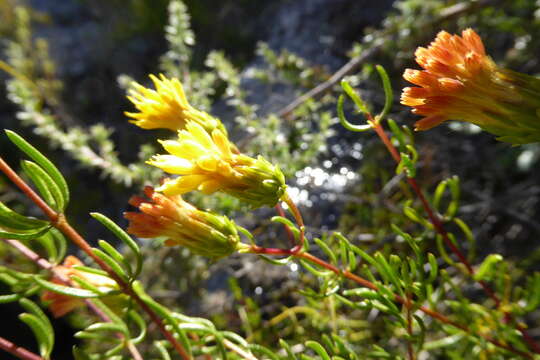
x,y
206,162
61,304
202,232
166,107
460,82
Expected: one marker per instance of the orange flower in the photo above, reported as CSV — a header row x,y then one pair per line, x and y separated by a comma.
x,y
61,304
460,82
202,232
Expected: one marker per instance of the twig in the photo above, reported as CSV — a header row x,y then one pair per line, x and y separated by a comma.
x,y
439,228
433,313
18,351
44,264
445,14
59,222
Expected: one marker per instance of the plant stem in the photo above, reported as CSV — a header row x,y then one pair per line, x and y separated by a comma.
x,y
44,264
59,221
439,228
18,351
432,313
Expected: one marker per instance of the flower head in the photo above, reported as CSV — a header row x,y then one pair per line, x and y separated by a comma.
x,y
460,82
61,304
166,107
205,162
202,232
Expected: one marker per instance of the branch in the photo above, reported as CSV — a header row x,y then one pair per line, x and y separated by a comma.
x,y
439,228
44,264
59,222
17,351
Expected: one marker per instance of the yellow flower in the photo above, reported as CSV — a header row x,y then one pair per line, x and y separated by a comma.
x,y
205,162
202,232
61,304
460,82
166,107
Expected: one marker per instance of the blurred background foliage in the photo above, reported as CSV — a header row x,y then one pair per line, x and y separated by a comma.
x,y
67,66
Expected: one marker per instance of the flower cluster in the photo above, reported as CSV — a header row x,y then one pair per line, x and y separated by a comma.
x,y
205,160
460,82
202,232
61,304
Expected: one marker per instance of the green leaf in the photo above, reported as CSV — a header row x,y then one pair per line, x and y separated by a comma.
x,y
117,268
360,104
48,242
114,254
40,325
108,326
4,299
141,323
124,237
48,190
389,94
273,261
318,348
164,313
363,293
263,350
433,268
7,233
159,345
345,123
40,332
16,221
79,354
487,268
91,270
42,161
284,345
66,290
326,249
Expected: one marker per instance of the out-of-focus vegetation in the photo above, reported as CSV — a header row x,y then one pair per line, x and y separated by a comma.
x,y
342,181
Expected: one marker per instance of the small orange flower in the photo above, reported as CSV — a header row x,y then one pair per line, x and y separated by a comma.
x,y
202,232
460,82
61,304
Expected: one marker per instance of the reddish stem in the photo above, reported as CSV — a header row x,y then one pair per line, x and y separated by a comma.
x,y
433,313
18,351
44,264
439,228
290,235
58,221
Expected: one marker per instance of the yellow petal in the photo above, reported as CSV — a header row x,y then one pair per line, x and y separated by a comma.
x,y
209,187
200,135
222,143
182,184
172,164
208,163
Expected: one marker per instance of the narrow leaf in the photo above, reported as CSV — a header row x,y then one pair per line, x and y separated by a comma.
x,y
123,236
42,161
66,290
17,221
